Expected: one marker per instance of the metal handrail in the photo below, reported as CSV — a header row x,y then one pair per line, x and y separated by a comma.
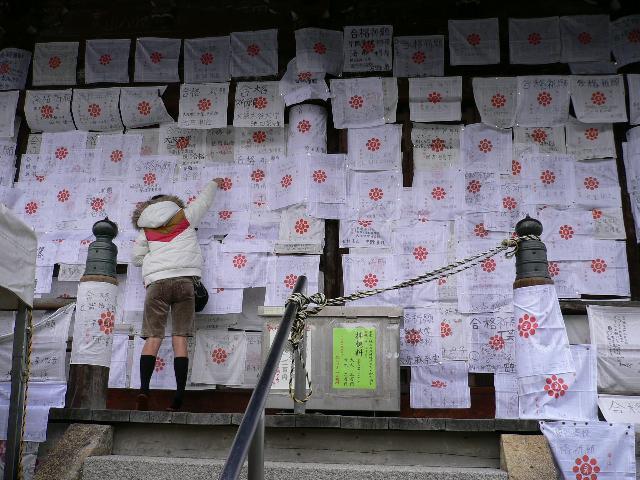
x,y
253,421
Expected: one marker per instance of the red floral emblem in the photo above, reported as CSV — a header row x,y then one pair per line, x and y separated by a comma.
x,y
302,226
442,281
290,281
259,136
488,265
61,153
206,58
191,199
239,261
585,38
438,384
598,98
97,204
438,193
527,325
516,167
370,280
64,195
144,108
46,111
480,231
257,175
368,46
534,38
376,194
286,181
225,214
496,342
598,265
204,104
356,102
420,253
54,62
320,48
498,100
31,208
149,178
555,386
253,50
591,133
106,321
412,337
547,177
304,126
94,110
473,39
4,68
509,203
544,99
40,178
373,144
105,59
219,355
445,330
116,156
160,364
437,145
182,143
304,76
319,176
586,468
566,232
260,103
226,184
485,145
596,214
591,183
434,97
474,186
554,269
156,57
634,36
418,57
538,135
365,223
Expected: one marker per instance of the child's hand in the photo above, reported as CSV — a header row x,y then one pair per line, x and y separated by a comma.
x,y
218,181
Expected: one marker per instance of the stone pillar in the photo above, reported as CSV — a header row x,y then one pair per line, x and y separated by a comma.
x,y
95,322
532,267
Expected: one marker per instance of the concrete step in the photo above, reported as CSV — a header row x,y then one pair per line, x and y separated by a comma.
x,y
118,467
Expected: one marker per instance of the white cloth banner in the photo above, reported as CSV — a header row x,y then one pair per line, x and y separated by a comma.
x,y
538,140
283,274
151,175
297,227
420,340
97,109
633,81
187,144
14,68
319,50
592,450
534,41
95,323
542,346
207,60
203,106
369,271
107,61
287,181
550,178
506,387
143,106
238,270
376,148
435,99
49,110
597,184
249,145
568,233
163,376
219,358
368,48
307,131
327,179
496,100
365,233
54,63
585,38
374,194
8,105
115,154
441,385
357,103
543,101
435,147
297,86
254,54
418,56
486,149
258,104
590,140
492,342
606,273
599,99
157,59
619,408
474,42
118,369
625,37
390,98
64,153
438,195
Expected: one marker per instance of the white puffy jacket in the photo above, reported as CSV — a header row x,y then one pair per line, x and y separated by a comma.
x,y
167,245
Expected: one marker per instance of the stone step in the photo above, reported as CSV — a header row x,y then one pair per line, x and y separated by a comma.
x,y
118,467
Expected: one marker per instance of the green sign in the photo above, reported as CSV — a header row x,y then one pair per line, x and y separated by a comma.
x,y
354,358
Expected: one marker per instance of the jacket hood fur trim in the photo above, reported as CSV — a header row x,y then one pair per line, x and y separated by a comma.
x,y
140,207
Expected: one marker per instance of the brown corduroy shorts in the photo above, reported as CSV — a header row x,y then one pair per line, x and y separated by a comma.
x,y
175,294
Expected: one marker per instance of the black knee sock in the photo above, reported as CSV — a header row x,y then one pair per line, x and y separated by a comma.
x,y
181,369
147,364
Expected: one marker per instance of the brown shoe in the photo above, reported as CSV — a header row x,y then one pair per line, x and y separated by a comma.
x,y
142,402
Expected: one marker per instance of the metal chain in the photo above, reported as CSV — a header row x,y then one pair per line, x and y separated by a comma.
x,y
26,393
312,304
